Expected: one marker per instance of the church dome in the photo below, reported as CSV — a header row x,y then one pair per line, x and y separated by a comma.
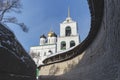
x,y
43,36
52,34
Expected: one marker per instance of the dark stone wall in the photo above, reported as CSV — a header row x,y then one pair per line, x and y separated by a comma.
x,y
15,63
101,60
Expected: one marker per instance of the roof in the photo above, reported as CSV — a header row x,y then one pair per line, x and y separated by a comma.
x,y
43,36
52,34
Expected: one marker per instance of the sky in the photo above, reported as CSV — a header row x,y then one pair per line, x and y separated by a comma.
x,y
42,15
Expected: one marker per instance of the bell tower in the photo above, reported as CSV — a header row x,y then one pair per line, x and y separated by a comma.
x,y
68,27
68,33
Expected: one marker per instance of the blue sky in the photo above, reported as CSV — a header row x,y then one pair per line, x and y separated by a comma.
x,y
42,15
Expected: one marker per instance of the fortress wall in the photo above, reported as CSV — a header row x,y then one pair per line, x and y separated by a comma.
x,y
60,68
101,59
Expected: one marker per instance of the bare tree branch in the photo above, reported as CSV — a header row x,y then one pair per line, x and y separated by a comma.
x,y
10,20
7,6
23,26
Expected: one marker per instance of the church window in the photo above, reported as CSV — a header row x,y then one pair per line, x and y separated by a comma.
x,y
50,51
63,45
72,43
38,53
68,31
44,53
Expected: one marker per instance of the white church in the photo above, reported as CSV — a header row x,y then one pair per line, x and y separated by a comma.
x,y
53,44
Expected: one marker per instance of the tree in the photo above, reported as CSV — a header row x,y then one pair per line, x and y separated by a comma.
x,y
7,6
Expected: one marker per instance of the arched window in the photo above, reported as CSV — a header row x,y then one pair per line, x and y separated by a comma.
x,y
50,52
68,31
63,45
72,43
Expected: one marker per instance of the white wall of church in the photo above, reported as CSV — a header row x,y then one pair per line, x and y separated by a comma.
x,y
67,40
42,52
52,40
42,41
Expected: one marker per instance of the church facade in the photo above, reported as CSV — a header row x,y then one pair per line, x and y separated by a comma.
x,y
53,44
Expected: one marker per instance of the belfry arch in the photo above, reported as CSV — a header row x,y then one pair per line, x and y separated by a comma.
x,y
68,31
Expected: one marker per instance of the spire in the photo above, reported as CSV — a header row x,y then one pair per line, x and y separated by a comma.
x,y
51,29
68,12
68,19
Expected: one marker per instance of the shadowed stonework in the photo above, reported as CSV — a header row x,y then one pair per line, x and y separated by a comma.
x,y
15,63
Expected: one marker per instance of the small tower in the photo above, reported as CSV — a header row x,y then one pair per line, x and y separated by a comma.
x,y
52,37
42,39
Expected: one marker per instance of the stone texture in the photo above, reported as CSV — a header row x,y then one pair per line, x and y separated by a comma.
x,y
60,68
15,63
101,59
